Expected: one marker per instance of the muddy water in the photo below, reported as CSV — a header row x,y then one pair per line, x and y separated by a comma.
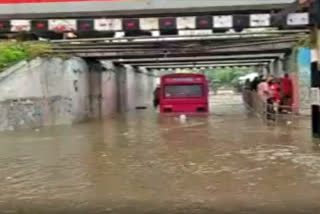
x,y
228,162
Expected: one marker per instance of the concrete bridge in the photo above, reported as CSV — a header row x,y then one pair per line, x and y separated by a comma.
x,y
266,49
137,161
155,17
104,8
228,37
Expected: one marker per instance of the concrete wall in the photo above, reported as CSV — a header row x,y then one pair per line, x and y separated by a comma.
x,y
95,85
131,87
304,73
297,64
135,88
47,92
44,92
143,89
109,90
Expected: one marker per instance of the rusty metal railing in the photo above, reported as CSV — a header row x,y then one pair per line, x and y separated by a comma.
x,y
268,112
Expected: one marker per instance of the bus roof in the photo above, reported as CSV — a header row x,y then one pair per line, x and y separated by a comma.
x,y
181,78
175,75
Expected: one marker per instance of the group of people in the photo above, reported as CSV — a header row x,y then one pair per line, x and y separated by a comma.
x,y
275,92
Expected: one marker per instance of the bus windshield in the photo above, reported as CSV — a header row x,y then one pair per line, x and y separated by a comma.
x,y
176,91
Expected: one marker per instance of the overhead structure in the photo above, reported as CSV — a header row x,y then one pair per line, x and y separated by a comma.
x,y
263,56
100,8
123,18
198,40
265,49
205,62
174,47
205,66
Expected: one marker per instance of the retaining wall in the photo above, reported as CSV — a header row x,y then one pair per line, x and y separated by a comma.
x,y
55,91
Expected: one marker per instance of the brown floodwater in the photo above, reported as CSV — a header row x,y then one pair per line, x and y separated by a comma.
x,y
140,162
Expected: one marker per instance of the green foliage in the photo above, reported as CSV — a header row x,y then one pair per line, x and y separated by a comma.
x,y
224,76
13,52
37,49
306,42
227,76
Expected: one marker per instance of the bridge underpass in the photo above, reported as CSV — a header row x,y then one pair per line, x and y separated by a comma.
x,y
269,52
137,161
140,162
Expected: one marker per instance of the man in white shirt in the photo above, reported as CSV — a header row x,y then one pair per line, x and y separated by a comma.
x,y
265,95
264,90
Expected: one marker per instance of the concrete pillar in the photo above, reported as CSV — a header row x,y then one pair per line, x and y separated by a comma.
x,y
265,71
152,83
95,85
80,87
130,87
121,88
109,99
271,69
275,68
278,67
124,88
144,90
116,89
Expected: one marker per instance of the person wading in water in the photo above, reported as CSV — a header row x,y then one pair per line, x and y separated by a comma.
x,y
156,97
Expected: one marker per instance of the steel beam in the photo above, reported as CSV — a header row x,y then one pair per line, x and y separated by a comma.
x,y
200,58
215,36
270,48
203,62
207,65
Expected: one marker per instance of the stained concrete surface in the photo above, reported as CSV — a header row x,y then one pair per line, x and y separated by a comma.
x,y
55,91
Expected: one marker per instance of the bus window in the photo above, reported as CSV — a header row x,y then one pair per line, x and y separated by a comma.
x,y
175,91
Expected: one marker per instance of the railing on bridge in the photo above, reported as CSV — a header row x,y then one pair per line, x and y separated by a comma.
x,y
278,114
154,25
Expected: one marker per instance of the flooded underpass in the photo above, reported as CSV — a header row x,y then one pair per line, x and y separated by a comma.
x,y
140,162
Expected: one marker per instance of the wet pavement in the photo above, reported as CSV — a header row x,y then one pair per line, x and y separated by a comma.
x,y
228,162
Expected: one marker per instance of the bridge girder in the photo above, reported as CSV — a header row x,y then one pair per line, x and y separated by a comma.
x,y
201,63
205,65
200,58
201,50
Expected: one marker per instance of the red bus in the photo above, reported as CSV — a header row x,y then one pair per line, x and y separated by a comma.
x,y
183,93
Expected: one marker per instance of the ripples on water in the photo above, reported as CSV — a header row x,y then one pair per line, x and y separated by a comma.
x,y
141,162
